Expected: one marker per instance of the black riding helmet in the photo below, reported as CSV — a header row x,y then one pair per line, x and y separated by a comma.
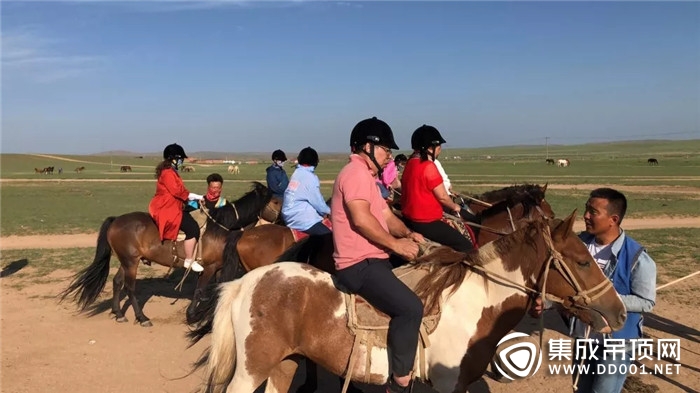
x,y
374,132
278,155
426,136
173,152
308,156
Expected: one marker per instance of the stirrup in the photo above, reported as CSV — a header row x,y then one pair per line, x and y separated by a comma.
x,y
195,266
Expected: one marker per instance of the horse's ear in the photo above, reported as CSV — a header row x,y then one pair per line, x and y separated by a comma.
x,y
545,187
565,228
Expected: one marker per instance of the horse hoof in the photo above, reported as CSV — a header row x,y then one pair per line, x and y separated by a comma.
x,y
146,324
121,319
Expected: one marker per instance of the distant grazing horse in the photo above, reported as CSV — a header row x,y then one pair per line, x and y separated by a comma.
x,y
653,161
125,168
550,161
188,169
37,170
234,169
79,169
563,162
134,237
48,170
264,244
265,323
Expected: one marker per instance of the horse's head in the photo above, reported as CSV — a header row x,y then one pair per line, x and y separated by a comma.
x,y
574,279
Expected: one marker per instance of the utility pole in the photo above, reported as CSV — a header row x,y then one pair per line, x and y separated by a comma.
x,y
546,144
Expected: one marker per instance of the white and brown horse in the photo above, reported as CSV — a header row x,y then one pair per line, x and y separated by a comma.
x,y
265,322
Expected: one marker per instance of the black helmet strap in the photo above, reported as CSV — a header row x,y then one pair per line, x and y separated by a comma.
x,y
370,154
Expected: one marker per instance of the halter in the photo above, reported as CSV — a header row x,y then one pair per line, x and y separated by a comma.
x,y
556,260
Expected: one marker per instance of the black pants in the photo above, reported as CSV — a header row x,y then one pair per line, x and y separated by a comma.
x,y
375,282
442,233
189,226
318,229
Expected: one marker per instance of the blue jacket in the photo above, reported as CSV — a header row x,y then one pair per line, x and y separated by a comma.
x,y
277,180
303,204
633,274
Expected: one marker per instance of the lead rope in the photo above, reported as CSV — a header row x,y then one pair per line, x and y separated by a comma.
x,y
588,332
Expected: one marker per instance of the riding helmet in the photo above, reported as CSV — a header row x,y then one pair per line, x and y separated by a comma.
x,y
373,131
400,158
426,136
173,152
308,156
278,155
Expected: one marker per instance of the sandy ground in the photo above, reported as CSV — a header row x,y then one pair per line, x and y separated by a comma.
x,y
89,239
47,346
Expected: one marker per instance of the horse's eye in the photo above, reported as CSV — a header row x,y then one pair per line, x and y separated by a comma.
x,y
584,263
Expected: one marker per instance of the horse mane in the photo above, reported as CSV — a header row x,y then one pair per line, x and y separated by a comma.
x,y
242,211
448,268
529,195
514,191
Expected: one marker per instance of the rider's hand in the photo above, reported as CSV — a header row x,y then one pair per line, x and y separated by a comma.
x,y
536,308
416,237
406,248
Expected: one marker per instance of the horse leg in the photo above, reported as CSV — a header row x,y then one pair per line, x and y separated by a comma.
x,y
130,283
117,286
199,292
281,376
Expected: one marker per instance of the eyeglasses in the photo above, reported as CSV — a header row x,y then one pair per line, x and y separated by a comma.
x,y
386,149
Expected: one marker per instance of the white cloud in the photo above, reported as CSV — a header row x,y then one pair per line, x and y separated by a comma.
x,y
37,58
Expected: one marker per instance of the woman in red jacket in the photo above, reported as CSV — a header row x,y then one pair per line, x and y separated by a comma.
x,y
423,193
166,207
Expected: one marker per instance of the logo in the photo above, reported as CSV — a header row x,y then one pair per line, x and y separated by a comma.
x,y
519,359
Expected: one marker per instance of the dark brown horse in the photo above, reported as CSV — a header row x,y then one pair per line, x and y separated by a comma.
x,y
293,310
134,237
264,244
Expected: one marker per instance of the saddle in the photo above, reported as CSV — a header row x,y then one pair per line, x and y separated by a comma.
x,y
301,235
370,326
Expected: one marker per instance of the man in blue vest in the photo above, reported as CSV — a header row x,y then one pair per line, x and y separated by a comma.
x,y
633,274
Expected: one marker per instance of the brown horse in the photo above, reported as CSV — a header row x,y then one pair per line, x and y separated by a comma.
x,y
293,311
125,168
79,169
264,244
134,237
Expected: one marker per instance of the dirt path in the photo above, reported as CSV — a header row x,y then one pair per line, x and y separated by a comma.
x,y
47,346
89,239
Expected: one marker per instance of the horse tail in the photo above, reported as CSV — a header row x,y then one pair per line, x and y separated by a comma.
x,y
221,356
232,265
89,283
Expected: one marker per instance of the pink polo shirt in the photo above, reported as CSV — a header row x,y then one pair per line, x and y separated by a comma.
x,y
355,181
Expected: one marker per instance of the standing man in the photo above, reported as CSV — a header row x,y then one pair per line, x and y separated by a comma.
x,y
633,274
277,179
364,229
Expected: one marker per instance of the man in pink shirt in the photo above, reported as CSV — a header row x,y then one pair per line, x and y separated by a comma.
x,y
364,229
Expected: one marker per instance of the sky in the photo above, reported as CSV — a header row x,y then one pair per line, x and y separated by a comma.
x,y
84,77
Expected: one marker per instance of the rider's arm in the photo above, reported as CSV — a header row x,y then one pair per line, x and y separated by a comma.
x,y
398,228
367,225
445,200
174,185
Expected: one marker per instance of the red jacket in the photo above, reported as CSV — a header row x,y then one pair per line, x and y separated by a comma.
x,y
418,203
166,205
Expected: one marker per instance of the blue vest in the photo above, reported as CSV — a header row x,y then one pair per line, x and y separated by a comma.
x,y
620,271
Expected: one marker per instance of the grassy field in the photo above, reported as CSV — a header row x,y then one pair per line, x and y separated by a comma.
x,y
57,204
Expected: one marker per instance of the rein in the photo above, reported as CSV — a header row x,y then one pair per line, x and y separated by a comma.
x,y
206,213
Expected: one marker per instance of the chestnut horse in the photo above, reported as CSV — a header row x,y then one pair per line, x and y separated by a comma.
x,y
134,237
263,324
264,244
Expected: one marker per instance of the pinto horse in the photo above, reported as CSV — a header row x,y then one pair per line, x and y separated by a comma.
x,y
134,237
293,310
264,244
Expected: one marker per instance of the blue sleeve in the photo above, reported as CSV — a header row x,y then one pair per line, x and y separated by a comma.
x,y
642,285
316,198
277,181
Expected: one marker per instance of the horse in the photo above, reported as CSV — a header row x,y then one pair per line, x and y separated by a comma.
x,y
41,171
79,169
188,169
549,161
125,168
653,161
264,244
234,169
134,237
294,310
563,162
